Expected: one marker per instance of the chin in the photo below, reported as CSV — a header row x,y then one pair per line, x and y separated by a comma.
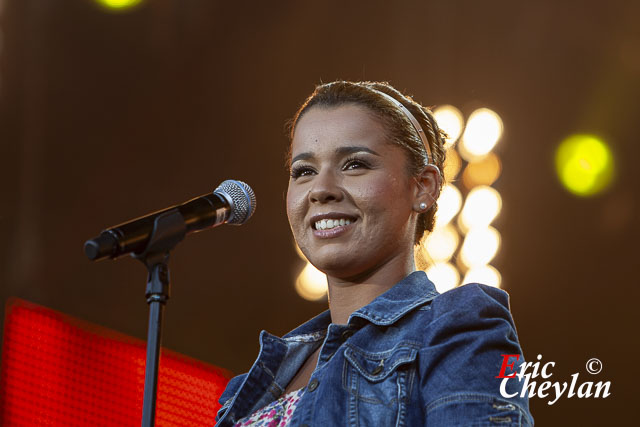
x,y
329,263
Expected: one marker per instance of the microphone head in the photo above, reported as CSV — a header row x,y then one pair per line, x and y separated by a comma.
x,y
241,198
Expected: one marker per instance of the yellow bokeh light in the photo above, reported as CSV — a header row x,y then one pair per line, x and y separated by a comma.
x,y
584,165
482,172
480,246
484,129
487,275
481,207
444,275
118,5
311,283
449,119
449,204
441,243
452,165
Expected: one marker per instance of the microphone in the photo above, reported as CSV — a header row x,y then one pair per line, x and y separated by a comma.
x,y
233,202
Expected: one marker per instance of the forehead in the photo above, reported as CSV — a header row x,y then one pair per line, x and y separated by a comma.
x,y
322,129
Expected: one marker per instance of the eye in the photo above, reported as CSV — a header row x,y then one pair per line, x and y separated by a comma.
x,y
353,164
301,170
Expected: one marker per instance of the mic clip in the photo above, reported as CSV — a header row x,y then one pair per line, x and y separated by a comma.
x,y
169,229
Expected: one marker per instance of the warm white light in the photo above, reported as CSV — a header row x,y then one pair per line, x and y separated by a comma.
x,y
444,275
449,204
311,283
481,207
484,129
449,119
441,243
486,275
452,165
480,246
482,172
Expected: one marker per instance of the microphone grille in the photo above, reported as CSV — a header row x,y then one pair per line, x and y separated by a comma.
x,y
241,198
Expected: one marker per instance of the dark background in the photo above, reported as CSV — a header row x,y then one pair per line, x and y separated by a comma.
x,y
105,117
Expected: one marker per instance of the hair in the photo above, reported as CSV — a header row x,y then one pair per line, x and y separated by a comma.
x,y
400,130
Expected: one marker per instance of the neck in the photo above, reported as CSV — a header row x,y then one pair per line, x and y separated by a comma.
x,y
347,295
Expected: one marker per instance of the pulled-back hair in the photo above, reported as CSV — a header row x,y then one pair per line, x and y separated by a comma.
x,y
400,130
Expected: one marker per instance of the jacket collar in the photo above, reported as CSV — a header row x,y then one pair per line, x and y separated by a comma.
x,y
411,292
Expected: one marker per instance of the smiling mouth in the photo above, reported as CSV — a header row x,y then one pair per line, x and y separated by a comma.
x,y
331,228
329,224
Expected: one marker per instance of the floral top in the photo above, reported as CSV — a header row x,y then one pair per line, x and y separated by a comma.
x,y
275,414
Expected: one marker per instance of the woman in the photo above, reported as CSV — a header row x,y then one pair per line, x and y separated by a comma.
x,y
366,170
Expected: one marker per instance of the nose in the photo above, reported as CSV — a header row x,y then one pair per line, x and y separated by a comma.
x,y
325,188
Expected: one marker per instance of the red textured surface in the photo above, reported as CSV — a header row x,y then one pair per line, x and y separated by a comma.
x,y
57,370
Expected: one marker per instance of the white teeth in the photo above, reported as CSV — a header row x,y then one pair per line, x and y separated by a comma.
x,y
328,224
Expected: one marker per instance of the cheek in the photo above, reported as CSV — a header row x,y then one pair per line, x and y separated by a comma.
x,y
385,194
295,211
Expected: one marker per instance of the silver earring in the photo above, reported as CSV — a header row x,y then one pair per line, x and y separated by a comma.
x,y
423,206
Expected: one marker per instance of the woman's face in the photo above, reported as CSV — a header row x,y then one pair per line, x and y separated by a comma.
x,y
351,199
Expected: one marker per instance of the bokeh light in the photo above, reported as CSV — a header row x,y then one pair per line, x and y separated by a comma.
x,y
449,204
481,207
473,162
461,266
484,129
486,274
444,275
480,246
452,165
118,5
441,243
482,172
311,283
449,119
584,165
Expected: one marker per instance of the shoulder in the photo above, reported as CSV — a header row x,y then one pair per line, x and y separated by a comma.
x,y
472,304
472,312
472,295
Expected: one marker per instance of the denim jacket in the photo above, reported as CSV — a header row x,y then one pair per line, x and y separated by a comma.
x,y
411,357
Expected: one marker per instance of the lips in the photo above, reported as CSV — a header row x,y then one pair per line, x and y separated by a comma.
x,y
332,224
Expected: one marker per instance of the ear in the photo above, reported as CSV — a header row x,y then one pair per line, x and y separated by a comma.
x,y
427,188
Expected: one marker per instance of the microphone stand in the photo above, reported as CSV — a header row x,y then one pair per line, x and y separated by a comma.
x,y
169,229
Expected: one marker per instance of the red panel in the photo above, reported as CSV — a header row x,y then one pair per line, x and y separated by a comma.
x,y
57,370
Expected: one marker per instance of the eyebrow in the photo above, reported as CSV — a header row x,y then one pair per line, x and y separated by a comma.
x,y
340,151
